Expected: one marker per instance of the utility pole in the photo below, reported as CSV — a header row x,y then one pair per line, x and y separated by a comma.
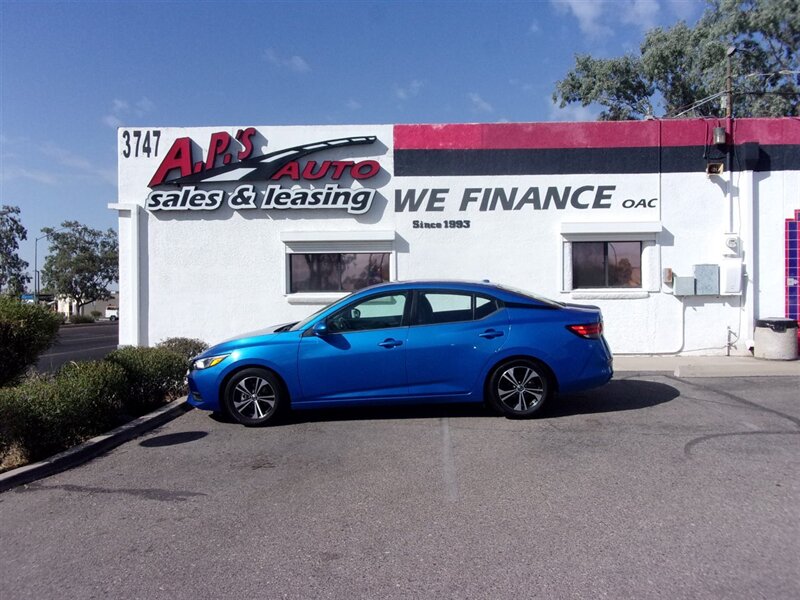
x,y
729,104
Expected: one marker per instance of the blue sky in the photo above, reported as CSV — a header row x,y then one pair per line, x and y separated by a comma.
x,y
72,72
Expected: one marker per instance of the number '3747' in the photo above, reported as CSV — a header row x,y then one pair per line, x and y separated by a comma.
x,y
140,143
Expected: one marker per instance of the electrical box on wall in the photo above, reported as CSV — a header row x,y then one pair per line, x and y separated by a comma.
x,y
706,280
732,245
730,277
684,286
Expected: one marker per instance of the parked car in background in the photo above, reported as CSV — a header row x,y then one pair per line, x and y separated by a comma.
x,y
112,313
409,342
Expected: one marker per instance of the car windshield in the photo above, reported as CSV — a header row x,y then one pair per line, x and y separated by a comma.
x,y
308,319
526,294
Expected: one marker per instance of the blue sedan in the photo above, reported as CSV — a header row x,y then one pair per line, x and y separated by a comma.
x,y
409,342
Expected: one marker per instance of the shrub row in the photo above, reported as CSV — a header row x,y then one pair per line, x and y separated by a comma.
x,y
46,414
26,330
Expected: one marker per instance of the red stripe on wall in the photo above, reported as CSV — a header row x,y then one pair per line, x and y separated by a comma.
x,y
598,134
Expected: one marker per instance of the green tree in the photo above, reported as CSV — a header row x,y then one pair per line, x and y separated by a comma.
x,y
82,262
684,68
12,268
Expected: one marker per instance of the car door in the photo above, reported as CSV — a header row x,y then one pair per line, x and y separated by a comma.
x,y
362,356
453,336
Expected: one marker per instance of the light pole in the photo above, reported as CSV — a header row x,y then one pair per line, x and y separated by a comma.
x,y
36,263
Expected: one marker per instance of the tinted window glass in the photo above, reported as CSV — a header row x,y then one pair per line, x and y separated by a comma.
x,y
606,264
378,312
484,307
443,308
336,272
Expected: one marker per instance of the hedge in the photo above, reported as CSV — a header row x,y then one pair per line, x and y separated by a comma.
x,y
186,347
153,375
26,330
45,415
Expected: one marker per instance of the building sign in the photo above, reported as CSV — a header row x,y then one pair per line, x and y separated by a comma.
x,y
186,181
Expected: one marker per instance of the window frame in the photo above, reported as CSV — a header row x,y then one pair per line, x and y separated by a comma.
x,y
355,241
651,263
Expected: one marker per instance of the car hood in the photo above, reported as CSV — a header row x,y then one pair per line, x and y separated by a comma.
x,y
257,332
245,339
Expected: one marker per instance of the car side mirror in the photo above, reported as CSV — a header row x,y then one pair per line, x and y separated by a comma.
x,y
320,329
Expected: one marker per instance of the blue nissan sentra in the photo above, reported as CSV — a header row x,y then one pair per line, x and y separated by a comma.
x,y
409,342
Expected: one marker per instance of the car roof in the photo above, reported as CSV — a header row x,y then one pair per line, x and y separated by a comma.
x,y
494,289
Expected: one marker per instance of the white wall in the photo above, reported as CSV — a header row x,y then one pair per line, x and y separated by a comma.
x,y
213,275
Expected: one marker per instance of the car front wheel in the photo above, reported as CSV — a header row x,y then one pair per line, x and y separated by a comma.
x,y
254,397
520,388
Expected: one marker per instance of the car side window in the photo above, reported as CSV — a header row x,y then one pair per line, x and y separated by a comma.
x,y
377,312
441,307
485,307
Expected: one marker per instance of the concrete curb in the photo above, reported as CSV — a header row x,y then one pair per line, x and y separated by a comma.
x,y
93,447
706,366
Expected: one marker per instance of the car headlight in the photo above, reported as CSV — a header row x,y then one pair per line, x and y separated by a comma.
x,y
208,361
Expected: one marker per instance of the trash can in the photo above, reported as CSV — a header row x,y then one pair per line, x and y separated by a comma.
x,y
776,339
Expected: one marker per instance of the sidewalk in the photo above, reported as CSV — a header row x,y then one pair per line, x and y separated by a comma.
x,y
706,366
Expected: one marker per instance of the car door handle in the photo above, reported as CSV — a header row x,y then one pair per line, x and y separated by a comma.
x,y
390,343
490,334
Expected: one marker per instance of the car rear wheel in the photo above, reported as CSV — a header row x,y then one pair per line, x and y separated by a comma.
x,y
520,388
254,397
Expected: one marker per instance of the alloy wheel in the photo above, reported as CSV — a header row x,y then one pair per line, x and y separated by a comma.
x,y
254,398
520,388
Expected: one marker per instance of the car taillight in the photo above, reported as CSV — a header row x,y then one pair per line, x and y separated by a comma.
x,y
590,331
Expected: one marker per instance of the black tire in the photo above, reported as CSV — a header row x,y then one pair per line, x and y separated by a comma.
x,y
254,397
520,388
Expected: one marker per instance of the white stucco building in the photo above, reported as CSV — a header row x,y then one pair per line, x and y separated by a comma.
x,y
683,231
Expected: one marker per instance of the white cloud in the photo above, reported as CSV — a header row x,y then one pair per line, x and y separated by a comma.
x,y
479,104
294,63
75,162
62,165
643,13
685,9
534,27
120,106
121,109
353,104
571,112
589,15
112,121
597,18
144,106
11,172
407,91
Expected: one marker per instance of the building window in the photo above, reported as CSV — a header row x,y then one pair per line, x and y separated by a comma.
x,y
606,265
340,272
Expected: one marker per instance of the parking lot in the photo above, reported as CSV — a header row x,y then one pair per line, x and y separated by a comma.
x,y
651,487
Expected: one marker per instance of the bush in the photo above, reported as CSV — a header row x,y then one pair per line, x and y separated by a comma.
x,y
45,415
76,319
153,375
96,314
186,347
26,330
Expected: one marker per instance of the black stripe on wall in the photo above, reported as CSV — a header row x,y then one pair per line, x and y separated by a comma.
x,y
566,161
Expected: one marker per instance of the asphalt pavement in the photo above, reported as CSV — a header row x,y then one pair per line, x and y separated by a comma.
x,y
650,487
91,341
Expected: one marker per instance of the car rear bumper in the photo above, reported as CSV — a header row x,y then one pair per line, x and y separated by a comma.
x,y
598,370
